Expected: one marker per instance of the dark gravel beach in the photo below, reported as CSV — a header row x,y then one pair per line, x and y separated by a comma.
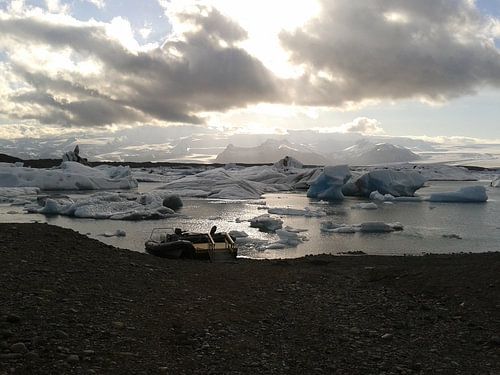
x,y
70,304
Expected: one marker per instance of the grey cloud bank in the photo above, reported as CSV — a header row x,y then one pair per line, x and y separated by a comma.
x,y
352,52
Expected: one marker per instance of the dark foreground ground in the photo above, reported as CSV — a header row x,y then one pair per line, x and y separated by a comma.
x,y
69,304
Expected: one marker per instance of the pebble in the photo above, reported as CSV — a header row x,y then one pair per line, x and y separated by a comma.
x,y
12,318
30,356
18,347
61,334
5,333
73,358
11,356
387,336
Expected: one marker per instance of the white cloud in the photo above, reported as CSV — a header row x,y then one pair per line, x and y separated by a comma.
x,y
362,125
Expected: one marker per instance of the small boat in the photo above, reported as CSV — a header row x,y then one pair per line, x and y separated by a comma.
x,y
174,244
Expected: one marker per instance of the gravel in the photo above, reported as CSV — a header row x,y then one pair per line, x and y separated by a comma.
x,y
73,305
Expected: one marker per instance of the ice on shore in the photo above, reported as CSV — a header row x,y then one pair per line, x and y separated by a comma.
x,y
367,227
307,212
328,186
463,195
108,205
386,181
69,176
266,223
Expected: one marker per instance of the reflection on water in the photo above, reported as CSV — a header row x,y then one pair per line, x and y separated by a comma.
x,y
425,224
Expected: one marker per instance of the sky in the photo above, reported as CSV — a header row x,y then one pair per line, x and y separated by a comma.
x,y
427,68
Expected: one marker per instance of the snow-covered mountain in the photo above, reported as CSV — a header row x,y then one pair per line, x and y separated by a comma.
x,y
268,152
365,152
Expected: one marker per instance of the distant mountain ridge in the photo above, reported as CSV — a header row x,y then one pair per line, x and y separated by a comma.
x,y
268,152
365,152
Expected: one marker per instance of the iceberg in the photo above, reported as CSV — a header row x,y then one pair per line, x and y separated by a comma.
x,y
495,182
107,205
386,181
288,163
328,186
18,194
376,196
69,176
463,195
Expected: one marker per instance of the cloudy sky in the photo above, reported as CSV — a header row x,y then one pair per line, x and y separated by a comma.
x,y
395,67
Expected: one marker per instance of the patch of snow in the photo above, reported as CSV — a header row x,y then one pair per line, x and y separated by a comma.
x,y
465,195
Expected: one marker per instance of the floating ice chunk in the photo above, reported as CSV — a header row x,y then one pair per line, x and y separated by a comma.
x,y
465,195
375,227
386,181
238,234
367,227
328,186
294,230
289,238
297,212
496,182
117,233
266,223
376,196
365,206
70,176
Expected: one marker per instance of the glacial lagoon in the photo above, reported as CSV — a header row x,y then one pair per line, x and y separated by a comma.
x,y
429,227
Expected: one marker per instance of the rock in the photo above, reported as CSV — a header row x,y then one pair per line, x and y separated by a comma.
x,y
174,202
73,358
118,325
12,318
18,347
31,356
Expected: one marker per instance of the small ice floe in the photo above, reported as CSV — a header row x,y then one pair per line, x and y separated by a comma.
x,y
116,233
367,227
286,239
376,196
294,230
266,223
463,195
365,206
307,212
495,182
238,234
452,236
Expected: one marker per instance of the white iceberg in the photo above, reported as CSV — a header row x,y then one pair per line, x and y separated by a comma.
x,y
70,176
108,205
465,195
266,223
386,181
328,186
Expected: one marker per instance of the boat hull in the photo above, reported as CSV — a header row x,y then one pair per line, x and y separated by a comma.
x,y
171,250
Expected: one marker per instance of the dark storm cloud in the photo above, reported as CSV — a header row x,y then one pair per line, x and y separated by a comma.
x,y
435,49
172,83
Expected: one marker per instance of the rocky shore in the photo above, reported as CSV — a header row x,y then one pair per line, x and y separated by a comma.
x,y
72,305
